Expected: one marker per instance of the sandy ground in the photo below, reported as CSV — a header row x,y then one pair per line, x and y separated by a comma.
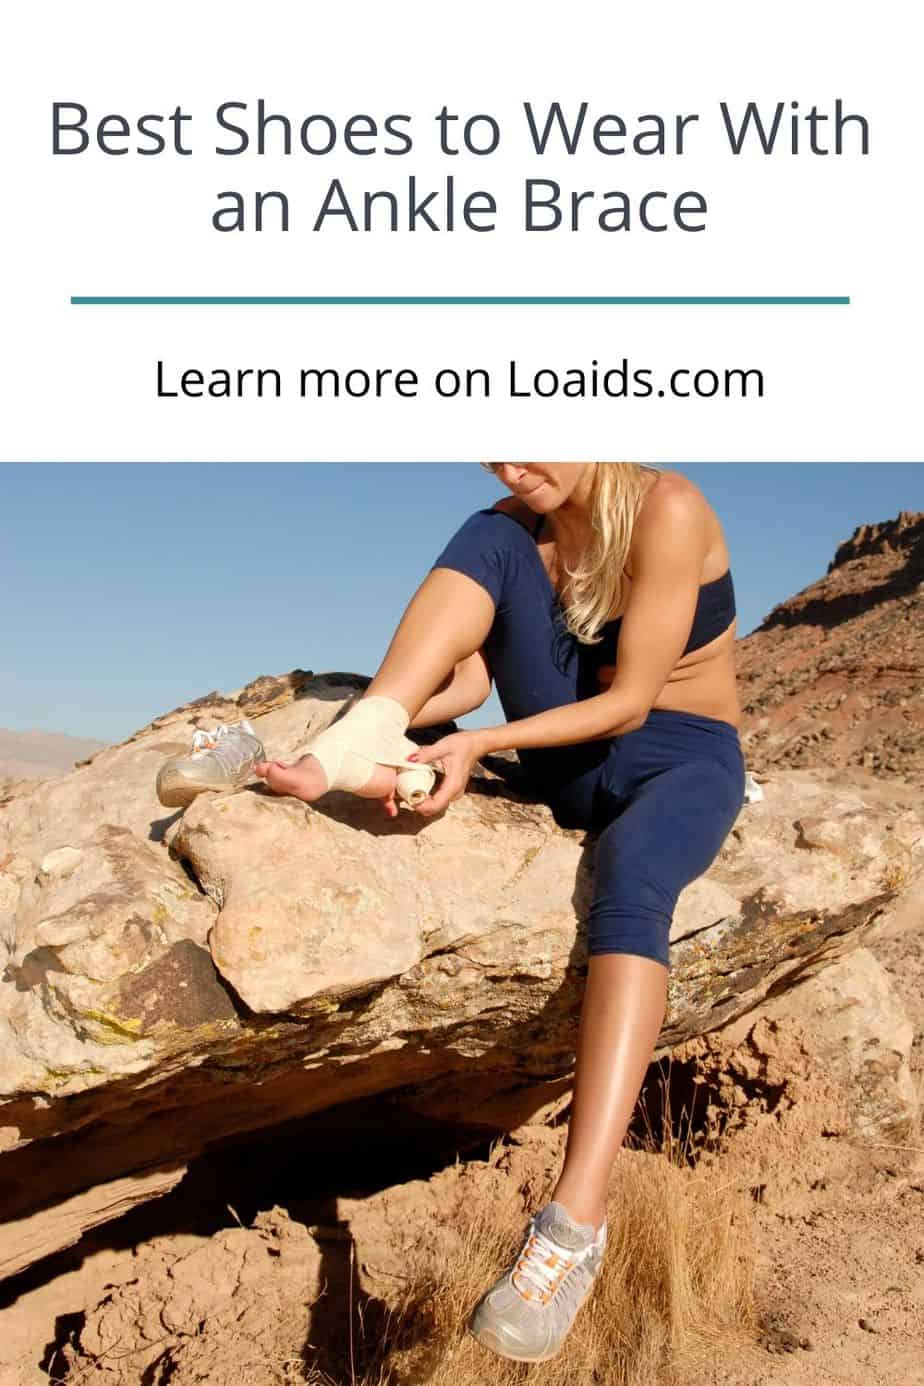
x,y
845,1263
840,1233
842,1250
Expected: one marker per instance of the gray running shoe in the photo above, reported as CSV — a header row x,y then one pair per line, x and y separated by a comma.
x,y
526,1314
222,758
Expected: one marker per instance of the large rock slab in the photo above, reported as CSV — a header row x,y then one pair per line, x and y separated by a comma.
x,y
90,920
173,980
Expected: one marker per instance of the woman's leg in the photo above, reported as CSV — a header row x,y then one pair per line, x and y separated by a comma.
x,y
668,834
487,589
461,692
621,1017
447,620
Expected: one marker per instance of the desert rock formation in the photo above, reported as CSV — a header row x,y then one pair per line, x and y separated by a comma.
x,y
834,676
173,980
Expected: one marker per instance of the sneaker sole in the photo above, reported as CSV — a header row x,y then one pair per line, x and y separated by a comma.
x,y
487,1339
176,791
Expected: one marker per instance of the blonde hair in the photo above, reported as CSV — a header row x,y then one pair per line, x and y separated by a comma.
x,y
594,588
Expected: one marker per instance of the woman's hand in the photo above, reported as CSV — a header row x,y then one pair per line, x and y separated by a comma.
x,y
458,754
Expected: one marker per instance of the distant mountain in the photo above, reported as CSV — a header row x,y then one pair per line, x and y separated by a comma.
x,y
835,675
39,755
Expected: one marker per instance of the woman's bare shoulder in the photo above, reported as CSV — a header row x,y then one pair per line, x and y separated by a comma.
x,y
673,484
673,494
673,500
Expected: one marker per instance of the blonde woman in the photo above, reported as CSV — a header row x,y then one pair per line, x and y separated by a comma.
x,y
598,597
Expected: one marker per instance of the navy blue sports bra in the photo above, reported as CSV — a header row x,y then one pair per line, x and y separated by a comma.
x,y
715,611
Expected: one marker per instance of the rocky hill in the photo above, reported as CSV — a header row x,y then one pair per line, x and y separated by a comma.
x,y
834,676
41,755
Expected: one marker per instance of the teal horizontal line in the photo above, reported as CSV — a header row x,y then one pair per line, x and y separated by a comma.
x,y
208,300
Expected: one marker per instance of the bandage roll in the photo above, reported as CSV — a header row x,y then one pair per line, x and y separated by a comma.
x,y
413,786
371,734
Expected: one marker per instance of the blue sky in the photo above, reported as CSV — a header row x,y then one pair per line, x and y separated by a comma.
x,y
129,589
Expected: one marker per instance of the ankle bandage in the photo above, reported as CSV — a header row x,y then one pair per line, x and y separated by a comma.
x,y
371,734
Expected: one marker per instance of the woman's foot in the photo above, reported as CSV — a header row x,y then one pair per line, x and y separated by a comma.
x,y
305,779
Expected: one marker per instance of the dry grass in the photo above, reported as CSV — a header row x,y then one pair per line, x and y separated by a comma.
x,y
676,1282
676,1290
676,1293
915,1141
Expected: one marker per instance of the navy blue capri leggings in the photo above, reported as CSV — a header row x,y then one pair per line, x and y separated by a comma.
x,y
662,798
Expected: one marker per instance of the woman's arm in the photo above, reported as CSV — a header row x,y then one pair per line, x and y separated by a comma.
x,y
462,691
669,546
589,720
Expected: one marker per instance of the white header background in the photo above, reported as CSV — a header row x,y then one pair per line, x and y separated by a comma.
x,y
841,383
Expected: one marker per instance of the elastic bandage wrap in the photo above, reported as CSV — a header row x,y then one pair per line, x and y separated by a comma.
x,y
371,734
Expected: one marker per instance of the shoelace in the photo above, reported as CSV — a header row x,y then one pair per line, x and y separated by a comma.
x,y
224,743
542,1266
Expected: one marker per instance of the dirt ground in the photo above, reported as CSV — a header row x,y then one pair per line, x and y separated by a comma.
x,y
843,1262
838,1289
841,1275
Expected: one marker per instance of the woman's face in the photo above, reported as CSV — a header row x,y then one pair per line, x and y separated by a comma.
x,y
543,486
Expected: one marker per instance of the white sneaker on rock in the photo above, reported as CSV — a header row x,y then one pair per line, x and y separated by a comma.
x,y
222,758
